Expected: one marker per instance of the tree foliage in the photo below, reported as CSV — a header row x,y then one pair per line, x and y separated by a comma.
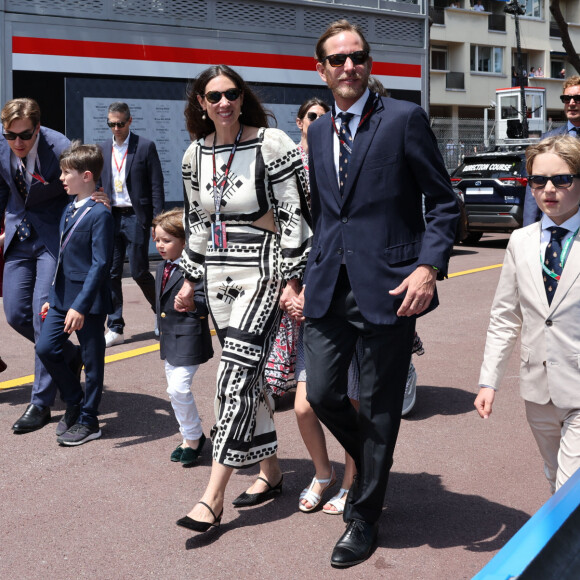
x,y
573,57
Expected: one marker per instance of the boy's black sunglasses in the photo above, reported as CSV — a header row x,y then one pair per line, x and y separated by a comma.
x,y
25,135
214,97
559,181
336,60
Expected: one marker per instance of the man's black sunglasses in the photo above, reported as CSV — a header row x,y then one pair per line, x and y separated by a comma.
x,y
559,181
25,135
336,60
214,97
118,125
567,98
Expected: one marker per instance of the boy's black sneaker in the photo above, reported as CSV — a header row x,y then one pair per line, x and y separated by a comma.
x,y
79,434
70,417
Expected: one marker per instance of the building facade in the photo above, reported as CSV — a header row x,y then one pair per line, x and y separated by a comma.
x,y
473,53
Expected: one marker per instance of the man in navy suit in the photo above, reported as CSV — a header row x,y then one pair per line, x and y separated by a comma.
x,y
33,199
80,296
571,100
133,180
372,268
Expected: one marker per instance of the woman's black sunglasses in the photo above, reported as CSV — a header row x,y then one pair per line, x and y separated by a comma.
x,y
312,116
214,97
336,60
559,181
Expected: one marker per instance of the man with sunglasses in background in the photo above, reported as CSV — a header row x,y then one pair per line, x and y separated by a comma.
x,y
33,199
133,180
571,100
372,268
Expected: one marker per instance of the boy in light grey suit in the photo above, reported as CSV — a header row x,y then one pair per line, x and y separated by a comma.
x,y
538,299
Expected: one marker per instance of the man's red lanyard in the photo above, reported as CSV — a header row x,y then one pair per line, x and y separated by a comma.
x,y
119,167
34,175
362,120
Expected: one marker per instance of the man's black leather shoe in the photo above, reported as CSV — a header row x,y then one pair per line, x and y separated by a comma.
x,y
355,545
34,418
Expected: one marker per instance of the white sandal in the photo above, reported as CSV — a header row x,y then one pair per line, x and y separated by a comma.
x,y
338,502
312,497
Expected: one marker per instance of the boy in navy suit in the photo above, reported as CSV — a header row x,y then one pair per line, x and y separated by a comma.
x,y
80,296
185,338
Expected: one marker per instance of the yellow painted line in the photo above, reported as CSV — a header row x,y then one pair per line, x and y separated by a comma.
x,y
475,270
108,359
17,382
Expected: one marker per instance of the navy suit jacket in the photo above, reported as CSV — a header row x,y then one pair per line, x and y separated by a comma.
x,y
184,337
143,175
378,228
44,203
532,212
82,280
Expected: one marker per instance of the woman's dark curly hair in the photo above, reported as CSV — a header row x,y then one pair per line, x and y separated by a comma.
x,y
253,113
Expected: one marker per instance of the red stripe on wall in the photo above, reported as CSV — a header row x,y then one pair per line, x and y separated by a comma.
x,y
115,50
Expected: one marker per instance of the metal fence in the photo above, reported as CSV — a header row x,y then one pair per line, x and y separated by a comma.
x,y
460,137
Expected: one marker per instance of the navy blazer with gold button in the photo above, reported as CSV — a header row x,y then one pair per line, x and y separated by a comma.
x,y
377,228
184,337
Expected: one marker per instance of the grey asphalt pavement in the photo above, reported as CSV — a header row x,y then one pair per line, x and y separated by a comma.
x,y
459,489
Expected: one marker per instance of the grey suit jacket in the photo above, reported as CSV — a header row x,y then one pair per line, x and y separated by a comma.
x,y
550,343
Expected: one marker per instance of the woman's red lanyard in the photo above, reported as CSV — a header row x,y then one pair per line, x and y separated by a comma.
x,y
34,175
218,229
342,142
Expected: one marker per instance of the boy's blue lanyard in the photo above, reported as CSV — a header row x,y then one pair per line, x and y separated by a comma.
x,y
218,194
563,256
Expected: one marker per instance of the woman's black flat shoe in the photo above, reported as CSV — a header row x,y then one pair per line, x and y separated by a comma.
x,y
250,499
198,526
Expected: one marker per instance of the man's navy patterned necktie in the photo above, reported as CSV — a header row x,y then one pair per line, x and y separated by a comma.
x,y
552,260
23,230
345,137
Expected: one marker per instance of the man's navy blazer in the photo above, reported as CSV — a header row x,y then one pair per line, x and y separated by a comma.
x,y
185,337
378,228
44,203
532,212
143,175
82,280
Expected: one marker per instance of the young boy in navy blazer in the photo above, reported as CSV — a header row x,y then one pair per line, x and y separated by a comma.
x,y
184,336
80,296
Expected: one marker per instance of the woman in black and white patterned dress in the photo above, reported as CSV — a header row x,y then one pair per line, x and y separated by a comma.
x,y
247,231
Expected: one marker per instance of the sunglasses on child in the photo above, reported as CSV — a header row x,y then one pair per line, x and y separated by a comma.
x,y
559,181
215,97
336,60
118,125
567,98
25,135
